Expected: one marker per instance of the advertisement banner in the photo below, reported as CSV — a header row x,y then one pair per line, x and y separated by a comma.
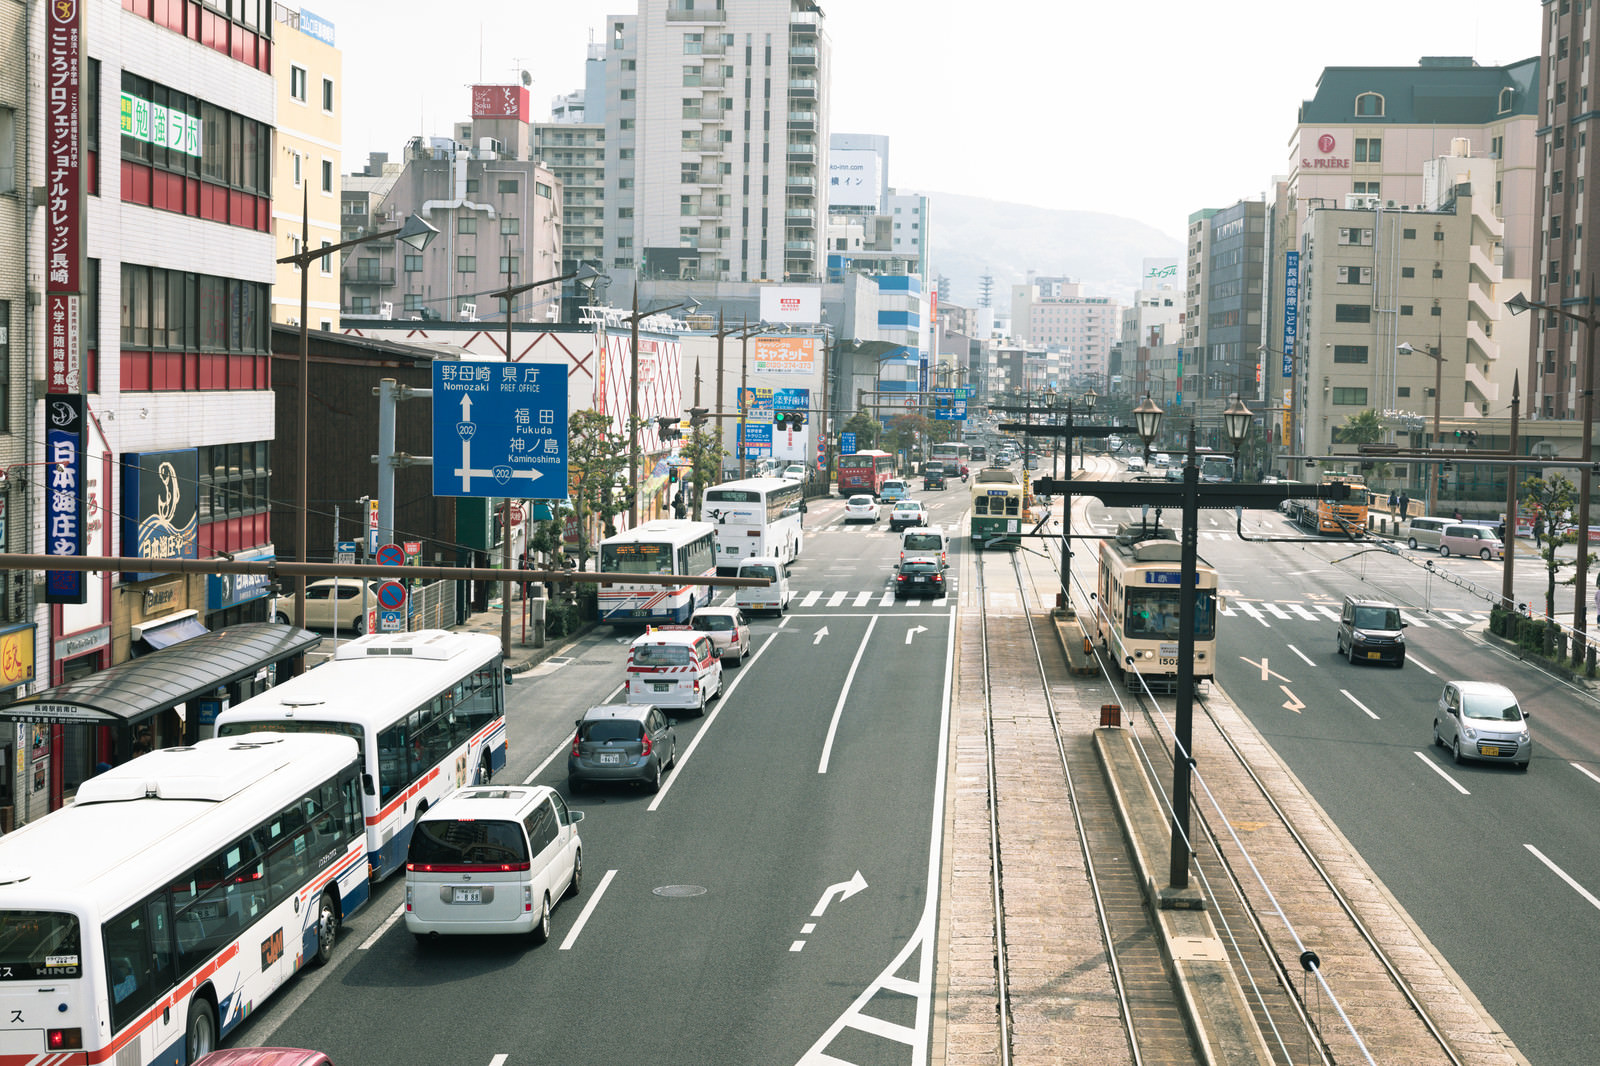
x,y
63,146
160,506
1291,309
786,355
500,101
16,655
855,178
63,502
800,304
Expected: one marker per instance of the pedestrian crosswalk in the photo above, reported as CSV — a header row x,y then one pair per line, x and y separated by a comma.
x,y
1268,611
825,600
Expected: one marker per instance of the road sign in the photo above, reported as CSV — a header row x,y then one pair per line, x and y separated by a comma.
x,y
391,621
391,595
344,551
847,444
499,429
390,555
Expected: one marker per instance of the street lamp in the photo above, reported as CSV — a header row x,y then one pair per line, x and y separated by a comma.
x,y
1089,399
511,292
1406,348
415,233
1147,416
633,401
1518,304
1237,418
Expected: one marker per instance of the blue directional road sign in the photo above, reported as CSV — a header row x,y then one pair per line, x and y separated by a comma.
x,y
499,429
847,444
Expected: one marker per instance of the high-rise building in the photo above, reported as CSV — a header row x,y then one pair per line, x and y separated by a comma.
x,y
308,162
1053,312
716,139
573,145
1223,309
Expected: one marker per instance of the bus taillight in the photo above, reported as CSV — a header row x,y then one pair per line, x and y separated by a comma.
x,y
64,1039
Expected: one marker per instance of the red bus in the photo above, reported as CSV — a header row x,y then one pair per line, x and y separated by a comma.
x,y
864,472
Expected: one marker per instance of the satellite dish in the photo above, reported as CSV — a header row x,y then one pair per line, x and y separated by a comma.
x,y
527,79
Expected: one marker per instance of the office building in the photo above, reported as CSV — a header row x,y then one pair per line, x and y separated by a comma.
x,y
307,162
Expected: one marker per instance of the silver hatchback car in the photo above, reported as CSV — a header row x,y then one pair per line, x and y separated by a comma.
x,y
626,742
1482,720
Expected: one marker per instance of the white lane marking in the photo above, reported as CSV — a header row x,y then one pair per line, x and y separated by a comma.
x,y
384,928
809,927
1277,611
1454,617
1586,772
888,599
499,1060
565,745
797,945
844,693
705,727
1303,613
1346,694
1250,609
863,598
1422,666
1302,655
588,909
1559,872
811,597
836,599
1329,611
1436,768
1413,620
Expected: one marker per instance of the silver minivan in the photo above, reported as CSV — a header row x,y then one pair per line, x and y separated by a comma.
x,y
1470,540
492,859
1423,532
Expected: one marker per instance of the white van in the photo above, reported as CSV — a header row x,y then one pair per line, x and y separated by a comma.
x,y
925,542
773,597
490,860
674,668
1424,530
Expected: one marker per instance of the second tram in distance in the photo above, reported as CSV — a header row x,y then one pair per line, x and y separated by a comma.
x,y
1136,613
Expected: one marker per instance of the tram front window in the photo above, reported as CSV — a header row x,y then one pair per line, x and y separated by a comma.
x,y
1153,614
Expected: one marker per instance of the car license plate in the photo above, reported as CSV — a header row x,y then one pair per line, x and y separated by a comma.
x,y
610,758
661,686
920,580
1489,750
467,895
1374,654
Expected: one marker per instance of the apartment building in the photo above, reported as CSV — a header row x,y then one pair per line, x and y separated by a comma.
x,y
1052,312
307,162
573,145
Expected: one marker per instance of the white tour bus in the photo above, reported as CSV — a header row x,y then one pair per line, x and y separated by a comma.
x,y
758,516
143,922
427,708
666,546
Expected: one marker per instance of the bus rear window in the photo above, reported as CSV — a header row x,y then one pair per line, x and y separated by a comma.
x,y
636,558
451,845
282,725
39,944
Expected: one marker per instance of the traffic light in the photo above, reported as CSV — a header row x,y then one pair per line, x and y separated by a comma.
x,y
668,427
672,476
1472,438
697,417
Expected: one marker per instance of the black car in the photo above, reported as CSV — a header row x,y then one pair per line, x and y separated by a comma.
x,y
919,577
1371,631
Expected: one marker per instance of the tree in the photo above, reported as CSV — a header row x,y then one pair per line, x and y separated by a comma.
x,y
906,432
595,458
1363,427
865,427
704,450
1550,500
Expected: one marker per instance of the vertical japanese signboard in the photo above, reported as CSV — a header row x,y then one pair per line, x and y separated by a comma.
x,y
63,154
1291,309
63,495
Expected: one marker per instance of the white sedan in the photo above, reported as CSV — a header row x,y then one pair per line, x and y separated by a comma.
x,y
861,508
907,513
1135,462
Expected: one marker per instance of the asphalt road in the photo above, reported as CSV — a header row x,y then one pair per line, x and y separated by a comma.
x,y
780,878
1500,869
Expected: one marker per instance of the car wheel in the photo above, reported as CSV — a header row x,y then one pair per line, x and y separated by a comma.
x,y
574,785
1399,661
327,928
654,784
576,884
1444,551
1438,742
541,928
281,619
200,1034
359,628
1485,554
1455,749
1523,766
1412,543
674,753
1350,653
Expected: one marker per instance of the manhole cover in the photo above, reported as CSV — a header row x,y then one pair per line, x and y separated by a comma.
x,y
679,890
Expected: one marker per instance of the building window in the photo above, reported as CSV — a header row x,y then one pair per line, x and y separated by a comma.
x,y
1369,150
1350,235
626,94
624,123
327,175
1352,313
686,205
624,212
1507,97
413,264
8,150
1405,310
1355,275
1435,311
624,183
472,185
693,43
1349,353
1403,391
1349,397
466,264
327,260
234,480
510,227
689,173
507,186
297,83
327,95
1369,105
511,265
691,107
1438,272
413,302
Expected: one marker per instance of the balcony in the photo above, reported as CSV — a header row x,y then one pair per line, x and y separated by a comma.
x,y
381,276
697,16
794,186
806,23
802,153
802,88
806,247
802,121
801,214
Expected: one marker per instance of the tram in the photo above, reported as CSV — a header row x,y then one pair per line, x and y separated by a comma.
x,y
1136,614
998,509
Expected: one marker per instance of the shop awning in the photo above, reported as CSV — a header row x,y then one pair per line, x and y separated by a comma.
x,y
167,632
130,691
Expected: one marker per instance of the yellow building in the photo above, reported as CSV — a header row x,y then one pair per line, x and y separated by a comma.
x,y
306,162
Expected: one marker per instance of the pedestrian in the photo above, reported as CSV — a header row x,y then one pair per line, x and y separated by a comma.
x,y
1458,514
1405,505
1538,531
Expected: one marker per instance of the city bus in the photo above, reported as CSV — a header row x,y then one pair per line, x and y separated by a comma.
x,y
1136,610
1216,468
997,509
427,710
143,922
755,517
864,472
664,546
953,451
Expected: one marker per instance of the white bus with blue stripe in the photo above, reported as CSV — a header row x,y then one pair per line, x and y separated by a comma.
x,y
427,708
144,921
663,548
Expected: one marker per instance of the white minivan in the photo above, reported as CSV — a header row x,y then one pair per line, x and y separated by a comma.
x,y
674,668
773,597
492,859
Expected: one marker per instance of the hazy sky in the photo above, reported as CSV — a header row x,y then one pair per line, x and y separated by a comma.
x,y
1147,110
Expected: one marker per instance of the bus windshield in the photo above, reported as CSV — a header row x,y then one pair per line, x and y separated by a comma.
x,y
301,725
39,944
636,558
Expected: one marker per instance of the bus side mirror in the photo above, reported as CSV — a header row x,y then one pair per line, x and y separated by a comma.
x,y
367,786
509,675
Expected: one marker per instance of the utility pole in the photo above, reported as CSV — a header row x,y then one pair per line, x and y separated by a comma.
x,y
744,400
633,402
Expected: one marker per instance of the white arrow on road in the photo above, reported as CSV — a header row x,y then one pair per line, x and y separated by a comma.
x,y
844,890
820,634
913,631
1293,703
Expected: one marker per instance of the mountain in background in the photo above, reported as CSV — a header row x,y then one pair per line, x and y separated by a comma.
x,y
973,236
